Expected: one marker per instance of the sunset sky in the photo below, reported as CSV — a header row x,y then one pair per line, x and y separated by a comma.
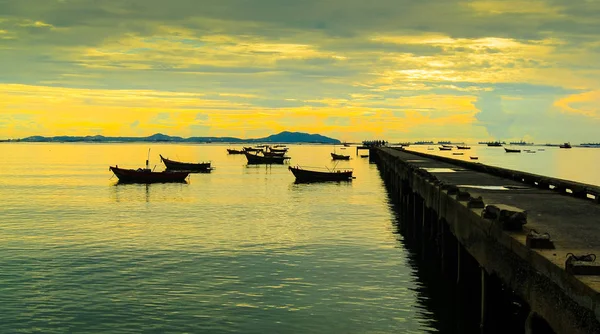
x,y
351,69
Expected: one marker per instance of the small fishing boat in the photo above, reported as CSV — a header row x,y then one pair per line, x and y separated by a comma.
x,y
185,166
339,156
463,147
278,150
364,155
474,157
254,158
457,153
252,149
445,148
234,151
511,150
273,154
565,145
314,174
145,175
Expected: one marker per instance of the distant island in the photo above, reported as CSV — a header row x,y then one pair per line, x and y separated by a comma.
x,y
282,137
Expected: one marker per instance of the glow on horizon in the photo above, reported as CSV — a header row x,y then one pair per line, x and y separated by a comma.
x,y
452,70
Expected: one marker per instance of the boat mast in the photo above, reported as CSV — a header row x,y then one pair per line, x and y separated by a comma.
x,y
148,160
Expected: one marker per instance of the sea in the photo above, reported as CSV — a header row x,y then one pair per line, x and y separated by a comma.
x,y
242,249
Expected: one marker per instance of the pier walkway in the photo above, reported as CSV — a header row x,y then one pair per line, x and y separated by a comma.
x,y
489,213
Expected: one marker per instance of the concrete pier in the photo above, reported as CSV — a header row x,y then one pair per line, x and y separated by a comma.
x,y
503,232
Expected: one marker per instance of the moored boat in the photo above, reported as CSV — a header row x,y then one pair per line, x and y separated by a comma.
x,y
494,144
252,149
445,148
273,154
234,151
185,166
335,156
278,150
314,174
463,147
474,157
146,175
262,159
565,145
511,150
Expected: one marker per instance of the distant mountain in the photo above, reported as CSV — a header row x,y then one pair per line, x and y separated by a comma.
x,y
283,137
297,137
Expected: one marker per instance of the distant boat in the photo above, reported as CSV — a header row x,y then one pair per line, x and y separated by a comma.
x,y
520,143
457,153
273,154
185,166
313,174
463,147
494,144
445,148
512,150
565,145
233,151
252,149
364,155
474,157
254,158
442,142
278,150
339,156
145,175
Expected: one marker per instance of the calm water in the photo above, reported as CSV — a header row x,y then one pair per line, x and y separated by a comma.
x,y
242,249
577,164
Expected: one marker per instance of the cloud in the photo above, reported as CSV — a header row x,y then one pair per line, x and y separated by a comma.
x,y
492,116
395,67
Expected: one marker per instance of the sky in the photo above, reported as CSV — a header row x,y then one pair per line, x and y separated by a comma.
x,y
398,70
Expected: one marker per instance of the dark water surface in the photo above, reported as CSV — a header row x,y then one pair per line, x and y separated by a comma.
x,y
242,249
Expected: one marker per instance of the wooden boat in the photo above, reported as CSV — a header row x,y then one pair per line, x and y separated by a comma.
x,y
511,150
278,150
233,151
457,153
261,159
145,175
463,147
313,174
273,154
364,155
565,145
252,149
445,148
185,166
474,157
339,156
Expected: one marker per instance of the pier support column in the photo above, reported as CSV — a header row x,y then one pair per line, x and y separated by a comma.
x,y
483,300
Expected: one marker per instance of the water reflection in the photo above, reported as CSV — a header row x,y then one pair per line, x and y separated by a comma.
x,y
135,192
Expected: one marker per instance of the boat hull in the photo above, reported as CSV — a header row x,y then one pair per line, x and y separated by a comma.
x,y
184,166
231,151
305,175
258,159
147,176
339,157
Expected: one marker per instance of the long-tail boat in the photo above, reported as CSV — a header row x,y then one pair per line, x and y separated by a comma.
x,y
339,156
278,150
185,166
273,154
146,175
262,159
234,151
314,174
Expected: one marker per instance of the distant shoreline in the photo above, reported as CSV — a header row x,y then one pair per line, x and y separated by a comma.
x,y
285,137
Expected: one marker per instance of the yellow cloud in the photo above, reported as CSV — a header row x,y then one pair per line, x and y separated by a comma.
x,y
587,103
